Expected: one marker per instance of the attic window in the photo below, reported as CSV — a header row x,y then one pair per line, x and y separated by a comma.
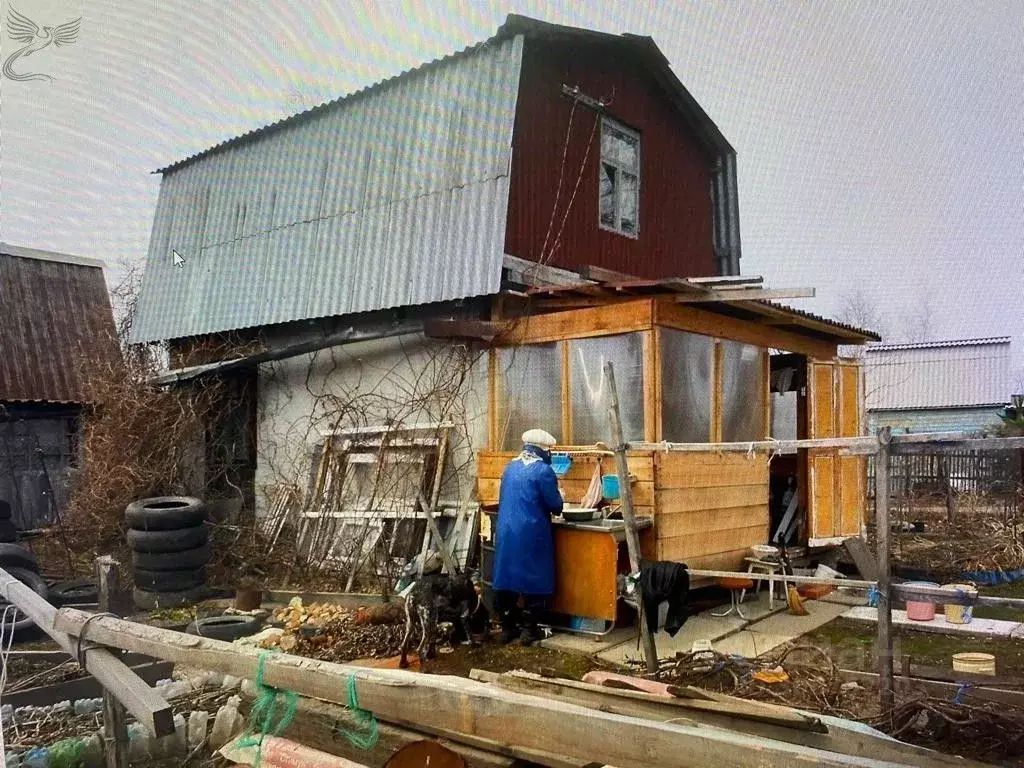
x,y
620,179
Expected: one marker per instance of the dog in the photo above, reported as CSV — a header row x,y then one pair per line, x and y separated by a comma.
x,y
437,596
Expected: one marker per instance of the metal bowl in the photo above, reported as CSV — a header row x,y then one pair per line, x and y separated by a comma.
x,y
578,515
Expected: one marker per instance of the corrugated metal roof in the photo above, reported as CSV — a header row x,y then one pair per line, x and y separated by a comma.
x,y
955,374
942,344
393,199
55,309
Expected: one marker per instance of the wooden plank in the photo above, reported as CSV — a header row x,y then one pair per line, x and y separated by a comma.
x,y
822,470
708,470
688,318
715,498
766,403
491,464
316,725
883,643
670,526
145,704
746,294
628,513
823,403
115,730
716,542
566,393
717,395
602,275
84,687
723,711
465,708
580,323
852,476
652,386
866,564
493,428
938,688
488,491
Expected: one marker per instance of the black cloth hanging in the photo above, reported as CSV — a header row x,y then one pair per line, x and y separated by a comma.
x,y
664,582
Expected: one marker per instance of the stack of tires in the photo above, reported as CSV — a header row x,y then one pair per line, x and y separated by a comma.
x,y
169,551
22,565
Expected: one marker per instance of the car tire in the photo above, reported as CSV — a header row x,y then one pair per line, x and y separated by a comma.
x,y
77,591
154,601
16,556
172,561
228,628
167,541
8,533
165,513
21,624
169,581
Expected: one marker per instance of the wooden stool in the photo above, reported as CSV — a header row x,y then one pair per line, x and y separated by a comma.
x,y
735,587
770,567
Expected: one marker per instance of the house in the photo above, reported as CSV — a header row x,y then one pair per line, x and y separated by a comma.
x,y
56,311
939,386
424,268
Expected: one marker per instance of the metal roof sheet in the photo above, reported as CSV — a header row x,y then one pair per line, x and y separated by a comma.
x,y
55,309
955,374
397,198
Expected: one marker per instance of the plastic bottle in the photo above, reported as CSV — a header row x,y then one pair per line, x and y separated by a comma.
x,y
198,722
92,755
38,757
88,706
139,743
226,724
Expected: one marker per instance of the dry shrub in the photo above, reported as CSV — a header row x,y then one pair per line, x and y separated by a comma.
x,y
137,439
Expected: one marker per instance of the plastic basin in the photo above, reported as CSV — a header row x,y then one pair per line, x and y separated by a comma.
x,y
919,611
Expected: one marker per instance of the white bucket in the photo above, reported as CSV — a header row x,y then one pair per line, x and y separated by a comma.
x,y
974,663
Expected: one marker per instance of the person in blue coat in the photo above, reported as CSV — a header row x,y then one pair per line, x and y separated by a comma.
x,y
524,558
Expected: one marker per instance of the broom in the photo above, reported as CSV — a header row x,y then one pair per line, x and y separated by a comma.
x,y
793,599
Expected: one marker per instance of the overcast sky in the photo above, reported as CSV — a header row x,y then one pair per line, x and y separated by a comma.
x,y
880,145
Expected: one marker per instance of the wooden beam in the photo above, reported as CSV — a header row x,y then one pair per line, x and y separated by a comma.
x,y
474,330
652,386
602,275
850,445
628,517
566,393
149,672
687,318
464,708
115,729
940,689
753,718
883,643
145,704
906,445
747,294
718,281
606,320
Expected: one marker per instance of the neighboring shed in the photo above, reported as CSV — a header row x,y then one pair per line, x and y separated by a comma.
x,y
938,386
55,310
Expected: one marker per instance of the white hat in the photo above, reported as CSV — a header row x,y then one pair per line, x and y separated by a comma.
x,y
539,438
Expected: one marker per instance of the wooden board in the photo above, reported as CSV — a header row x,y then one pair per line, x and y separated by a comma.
x,y
822,470
491,465
688,318
587,563
709,470
713,542
580,323
463,707
695,499
710,521
574,490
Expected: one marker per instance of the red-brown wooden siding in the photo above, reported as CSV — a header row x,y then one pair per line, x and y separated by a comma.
x,y
676,229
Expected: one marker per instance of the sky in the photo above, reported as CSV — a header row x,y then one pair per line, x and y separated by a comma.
x,y
880,145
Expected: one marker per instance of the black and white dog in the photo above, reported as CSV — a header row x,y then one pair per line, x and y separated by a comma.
x,y
437,597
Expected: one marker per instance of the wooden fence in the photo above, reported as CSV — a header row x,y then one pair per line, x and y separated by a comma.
x,y
983,471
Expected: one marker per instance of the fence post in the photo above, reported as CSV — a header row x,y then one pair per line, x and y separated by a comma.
x,y
883,644
115,732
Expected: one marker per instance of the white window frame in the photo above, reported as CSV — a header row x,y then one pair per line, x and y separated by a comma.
x,y
620,168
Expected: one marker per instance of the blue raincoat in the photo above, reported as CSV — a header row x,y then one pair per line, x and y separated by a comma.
x,y
524,560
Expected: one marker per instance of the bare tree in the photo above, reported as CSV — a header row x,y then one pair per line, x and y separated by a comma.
x,y
916,323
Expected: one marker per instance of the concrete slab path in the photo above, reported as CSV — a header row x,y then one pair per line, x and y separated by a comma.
x,y
779,629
